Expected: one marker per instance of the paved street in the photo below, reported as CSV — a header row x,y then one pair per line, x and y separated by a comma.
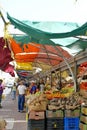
x,y
15,120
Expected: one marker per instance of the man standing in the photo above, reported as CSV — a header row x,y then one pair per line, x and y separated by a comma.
x,y
1,91
21,96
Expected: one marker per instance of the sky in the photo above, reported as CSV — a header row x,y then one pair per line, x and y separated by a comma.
x,y
54,10
45,10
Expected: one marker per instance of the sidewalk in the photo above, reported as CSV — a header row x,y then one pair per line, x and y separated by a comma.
x,y
15,120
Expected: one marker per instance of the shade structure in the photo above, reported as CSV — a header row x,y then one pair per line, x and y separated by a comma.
x,y
64,34
38,53
42,46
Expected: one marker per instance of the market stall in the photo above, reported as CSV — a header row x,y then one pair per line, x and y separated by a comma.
x,y
60,102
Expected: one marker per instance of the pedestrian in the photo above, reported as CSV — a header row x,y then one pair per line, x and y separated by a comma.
x,y
3,124
14,91
21,89
42,85
1,91
33,87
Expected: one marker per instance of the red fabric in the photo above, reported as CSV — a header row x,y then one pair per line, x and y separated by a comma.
x,y
83,64
5,55
10,69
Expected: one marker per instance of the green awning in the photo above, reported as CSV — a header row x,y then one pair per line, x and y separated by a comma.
x,y
63,34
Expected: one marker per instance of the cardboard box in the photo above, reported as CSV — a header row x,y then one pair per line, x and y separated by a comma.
x,y
37,115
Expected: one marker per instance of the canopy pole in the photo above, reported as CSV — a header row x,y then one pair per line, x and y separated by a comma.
x,y
3,18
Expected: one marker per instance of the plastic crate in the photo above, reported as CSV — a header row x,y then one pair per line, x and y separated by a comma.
x,y
71,123
54,123
72,113
66,128
54,113
59,128
36,124
35,128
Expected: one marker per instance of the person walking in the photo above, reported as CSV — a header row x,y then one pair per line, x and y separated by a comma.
x,y
14,91
21,89
1,91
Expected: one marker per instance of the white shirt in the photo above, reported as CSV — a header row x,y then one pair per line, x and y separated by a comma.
x,y
41,87
21,89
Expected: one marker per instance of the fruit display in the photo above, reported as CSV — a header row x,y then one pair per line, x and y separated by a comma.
x,y
37,102
64,92
71,102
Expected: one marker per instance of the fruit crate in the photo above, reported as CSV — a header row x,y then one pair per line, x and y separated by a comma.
x,y
72,113
84,110
66,128
71,123
37,115
36,124
54,113
54,124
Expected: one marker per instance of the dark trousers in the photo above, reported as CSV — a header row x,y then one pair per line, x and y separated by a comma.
x,y
21,101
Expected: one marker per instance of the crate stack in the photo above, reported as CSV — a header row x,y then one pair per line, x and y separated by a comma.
x,y
36,120
83,118
54,120
72,119
71,123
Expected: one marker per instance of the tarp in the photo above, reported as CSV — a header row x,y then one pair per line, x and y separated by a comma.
x,y
49,43
63,34
39,34
38,53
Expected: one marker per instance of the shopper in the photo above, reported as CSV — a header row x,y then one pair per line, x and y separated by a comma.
x,y
21,89
1,91
14,91
33,87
